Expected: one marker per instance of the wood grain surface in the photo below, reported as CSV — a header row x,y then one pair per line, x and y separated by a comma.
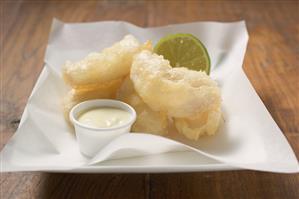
x,y
271,63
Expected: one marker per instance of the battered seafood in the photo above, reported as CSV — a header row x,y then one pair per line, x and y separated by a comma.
x,y
148,121
179,92
192,98
102,91
110,64
200,124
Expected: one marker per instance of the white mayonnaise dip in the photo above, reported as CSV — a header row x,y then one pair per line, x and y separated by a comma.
x,y
104,117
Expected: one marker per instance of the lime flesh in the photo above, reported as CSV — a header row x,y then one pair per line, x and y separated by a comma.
x,y
184,50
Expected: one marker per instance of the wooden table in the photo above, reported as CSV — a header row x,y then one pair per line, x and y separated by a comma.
x,y
271,64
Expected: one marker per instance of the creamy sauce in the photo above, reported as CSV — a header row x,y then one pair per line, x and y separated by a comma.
x,y
104,117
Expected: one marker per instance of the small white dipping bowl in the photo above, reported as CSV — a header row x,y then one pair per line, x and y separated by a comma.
x,y
92,139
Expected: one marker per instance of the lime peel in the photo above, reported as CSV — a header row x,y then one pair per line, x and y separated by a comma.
x,y
184,50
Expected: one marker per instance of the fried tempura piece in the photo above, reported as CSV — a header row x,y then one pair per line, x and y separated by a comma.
x,y
110,64
203,123
148,121
179,92
102,91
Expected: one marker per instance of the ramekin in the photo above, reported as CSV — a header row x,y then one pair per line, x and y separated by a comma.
x,y
92,139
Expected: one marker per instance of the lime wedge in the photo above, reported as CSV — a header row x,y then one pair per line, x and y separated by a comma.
x,y
184,50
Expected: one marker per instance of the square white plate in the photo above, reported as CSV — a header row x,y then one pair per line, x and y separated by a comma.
x,y
249,139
